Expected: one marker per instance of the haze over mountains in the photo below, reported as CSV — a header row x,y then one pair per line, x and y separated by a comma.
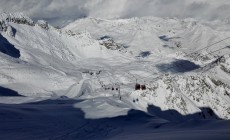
x,y
78,82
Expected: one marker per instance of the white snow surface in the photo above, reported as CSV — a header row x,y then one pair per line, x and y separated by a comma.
x,y
87,71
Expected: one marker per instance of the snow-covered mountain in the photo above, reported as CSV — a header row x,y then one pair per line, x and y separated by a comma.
x,y
184,65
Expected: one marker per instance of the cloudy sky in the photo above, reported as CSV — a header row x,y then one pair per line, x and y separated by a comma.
x,y
59,12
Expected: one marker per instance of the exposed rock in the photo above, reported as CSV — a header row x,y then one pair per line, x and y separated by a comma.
x,y
43,24
17,18
110,44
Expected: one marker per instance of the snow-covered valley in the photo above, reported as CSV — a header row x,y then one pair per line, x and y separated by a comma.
x,y
79,82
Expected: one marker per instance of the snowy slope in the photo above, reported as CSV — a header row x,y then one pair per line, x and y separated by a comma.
x,y
185,65
45,55
175,46
59,120
147,34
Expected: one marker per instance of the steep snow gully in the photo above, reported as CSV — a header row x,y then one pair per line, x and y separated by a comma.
x,y
138,78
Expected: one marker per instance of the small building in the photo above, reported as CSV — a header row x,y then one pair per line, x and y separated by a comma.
x,y
137,87
140,87
143,87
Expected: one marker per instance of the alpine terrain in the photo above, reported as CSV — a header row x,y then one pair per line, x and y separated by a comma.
x,y
138,78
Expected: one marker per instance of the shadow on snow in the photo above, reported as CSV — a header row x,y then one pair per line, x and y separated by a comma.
x,y
178,66
8,92
165,38
7,48
58,119
144,54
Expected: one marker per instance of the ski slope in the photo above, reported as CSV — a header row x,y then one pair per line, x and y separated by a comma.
x,y
84,77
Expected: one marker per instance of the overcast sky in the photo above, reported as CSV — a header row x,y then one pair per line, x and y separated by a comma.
x,y
59,12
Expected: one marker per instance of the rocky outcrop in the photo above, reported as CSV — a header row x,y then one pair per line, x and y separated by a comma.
x,y
110,44
17,18
43,24
3,26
